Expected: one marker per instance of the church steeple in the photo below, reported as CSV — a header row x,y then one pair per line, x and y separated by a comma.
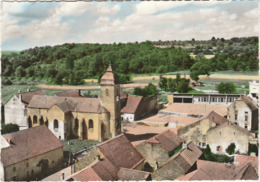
x,y
111,99
109,78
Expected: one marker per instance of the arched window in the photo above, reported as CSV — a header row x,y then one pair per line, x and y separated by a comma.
x,y
107,92
56,124
76,123
34,119
90,123
41,121
47,123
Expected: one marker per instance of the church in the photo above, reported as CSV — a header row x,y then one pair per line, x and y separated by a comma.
x,y
82,118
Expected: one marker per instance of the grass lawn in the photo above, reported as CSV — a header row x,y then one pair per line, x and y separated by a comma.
x,y
76,145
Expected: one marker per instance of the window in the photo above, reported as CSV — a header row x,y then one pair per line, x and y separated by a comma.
x,y
90,123
218,148
14,169
246,118
27,164
47,123
34,119
41,121
56,124
245,126
107,92
235,115
32,172
62,176
76,123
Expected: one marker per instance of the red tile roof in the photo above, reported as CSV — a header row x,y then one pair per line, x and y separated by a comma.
x,y
191,154
132,175
161,118
208,170
195,109
121,153
29,143
132,104
243,159
27,96
215,117
109,78
72,93
167,139
87,174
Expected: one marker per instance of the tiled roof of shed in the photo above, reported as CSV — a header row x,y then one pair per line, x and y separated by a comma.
x,y
121,153
132,104
132,175
167,139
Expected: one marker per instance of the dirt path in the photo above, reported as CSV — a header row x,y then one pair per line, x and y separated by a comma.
x,y
58,87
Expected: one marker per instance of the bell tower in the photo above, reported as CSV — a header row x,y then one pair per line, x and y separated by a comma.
x,y
111,99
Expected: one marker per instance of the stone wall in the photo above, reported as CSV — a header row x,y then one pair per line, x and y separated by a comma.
x,y
196,132
224,136
153,153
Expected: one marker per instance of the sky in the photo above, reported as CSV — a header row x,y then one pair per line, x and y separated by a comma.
x,y
28,24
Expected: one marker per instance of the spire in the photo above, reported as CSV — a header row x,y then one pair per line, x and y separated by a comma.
x,y
109,78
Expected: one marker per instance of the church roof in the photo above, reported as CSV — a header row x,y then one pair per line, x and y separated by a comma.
x,y
66,104
109,78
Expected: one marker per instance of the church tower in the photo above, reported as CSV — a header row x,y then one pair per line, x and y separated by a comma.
x,y
111,99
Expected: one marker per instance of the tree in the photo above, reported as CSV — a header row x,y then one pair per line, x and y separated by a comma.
x,y
147,91
231,149
59,77
9,128
226,88
183,85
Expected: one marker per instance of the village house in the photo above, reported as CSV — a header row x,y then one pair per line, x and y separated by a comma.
x,y
79,117
244,112
16,108
221,136
119,151
196,131
31,154
207,170
137,107
254,90
179,165
193,110
160,148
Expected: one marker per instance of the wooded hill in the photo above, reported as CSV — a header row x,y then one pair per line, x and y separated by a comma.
x,y
70,63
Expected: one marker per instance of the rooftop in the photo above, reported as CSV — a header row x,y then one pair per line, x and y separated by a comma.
x,y
132,104
132,175
249,102
121,153
27,96
195,109
109,78
162,118
28,143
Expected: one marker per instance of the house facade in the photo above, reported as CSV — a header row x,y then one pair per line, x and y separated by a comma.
x,y
196,132
28,157
244,112
79,117
158,149
220,137
16,109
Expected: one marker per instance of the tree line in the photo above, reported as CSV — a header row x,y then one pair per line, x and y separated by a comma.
x,y
70,63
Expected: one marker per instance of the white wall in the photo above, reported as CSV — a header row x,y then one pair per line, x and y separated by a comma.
x,y
129,117
15,113
58,132
225,145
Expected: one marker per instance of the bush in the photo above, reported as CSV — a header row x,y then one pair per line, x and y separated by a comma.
x,y
226,88
148,91
9,128
209,156
231,149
